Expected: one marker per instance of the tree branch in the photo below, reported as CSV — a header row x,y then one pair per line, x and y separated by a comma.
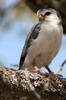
x,y
16,85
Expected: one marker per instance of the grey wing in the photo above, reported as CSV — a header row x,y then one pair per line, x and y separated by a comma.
x,y
32,35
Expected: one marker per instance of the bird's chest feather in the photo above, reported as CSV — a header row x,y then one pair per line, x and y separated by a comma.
x,y
48,44
48,40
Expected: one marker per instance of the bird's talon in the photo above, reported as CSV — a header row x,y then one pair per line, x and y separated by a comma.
x,y
59,75
36,68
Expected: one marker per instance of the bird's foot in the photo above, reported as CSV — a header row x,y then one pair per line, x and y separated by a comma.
x,y
45,73
40,71
59,75
36,68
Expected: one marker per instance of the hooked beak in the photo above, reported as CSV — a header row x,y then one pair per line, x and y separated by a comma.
x,y
40,17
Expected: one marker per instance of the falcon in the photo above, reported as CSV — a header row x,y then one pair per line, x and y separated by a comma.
x,y
43,42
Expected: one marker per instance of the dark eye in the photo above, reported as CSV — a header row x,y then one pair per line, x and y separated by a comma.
x,y
47,13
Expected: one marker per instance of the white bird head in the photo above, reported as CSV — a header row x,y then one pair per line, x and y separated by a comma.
x,y
49,15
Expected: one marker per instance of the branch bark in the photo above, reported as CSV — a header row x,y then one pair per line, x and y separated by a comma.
x,y
14,85
56,4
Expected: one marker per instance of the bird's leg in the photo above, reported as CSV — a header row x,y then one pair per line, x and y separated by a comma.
x,y
36,68
39,70
48,69
58,75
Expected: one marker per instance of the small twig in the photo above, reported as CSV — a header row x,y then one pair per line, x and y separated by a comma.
x,y
31,86
60,68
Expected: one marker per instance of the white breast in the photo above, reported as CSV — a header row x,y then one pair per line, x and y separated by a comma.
x,y
47,44
45,47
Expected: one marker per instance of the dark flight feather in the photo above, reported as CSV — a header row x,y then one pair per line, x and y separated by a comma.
x,y
32,35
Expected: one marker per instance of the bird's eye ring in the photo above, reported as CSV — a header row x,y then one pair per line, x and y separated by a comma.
x,y
47,13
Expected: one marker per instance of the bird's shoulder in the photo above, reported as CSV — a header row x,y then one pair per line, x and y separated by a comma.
x,y
34,32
